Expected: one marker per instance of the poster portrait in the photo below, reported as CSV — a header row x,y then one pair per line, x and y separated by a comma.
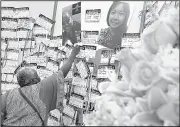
x,y
71,23
112,20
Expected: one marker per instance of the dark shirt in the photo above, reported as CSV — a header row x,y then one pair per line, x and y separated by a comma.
x,y
108,40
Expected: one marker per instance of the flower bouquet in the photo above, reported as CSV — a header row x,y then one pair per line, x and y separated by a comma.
x,y
148,94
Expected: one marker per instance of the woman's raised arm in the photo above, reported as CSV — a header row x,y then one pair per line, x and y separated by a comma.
x,y
51,88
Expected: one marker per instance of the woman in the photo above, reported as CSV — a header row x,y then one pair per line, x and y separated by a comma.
x,y
44,96
117,19
111,37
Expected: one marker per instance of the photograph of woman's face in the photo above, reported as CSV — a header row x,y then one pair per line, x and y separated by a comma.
x,y
117,16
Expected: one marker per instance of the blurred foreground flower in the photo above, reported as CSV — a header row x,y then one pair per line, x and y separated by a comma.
x,y
162,32
148,95
144,74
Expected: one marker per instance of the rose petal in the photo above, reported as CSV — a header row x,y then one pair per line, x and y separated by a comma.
x,y
140,81
171,76
126,58
116,111
156,98
168,123
118,92
136,91
148,38
161,83
125,74
169,112
116,123
103,86
142,104
168,34
124,120
111,75
173,19
122,85
152,36
147,119
130,108
141,54
173,93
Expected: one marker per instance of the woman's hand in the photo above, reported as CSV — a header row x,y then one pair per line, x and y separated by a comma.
x,y
67,65
75,51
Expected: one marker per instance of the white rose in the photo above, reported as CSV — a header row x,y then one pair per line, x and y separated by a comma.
x,y
144,74
147,119
173,93
142,104
159,33
115,109
156,98
169,112
130,108
167,57
128,57
102,87
173,19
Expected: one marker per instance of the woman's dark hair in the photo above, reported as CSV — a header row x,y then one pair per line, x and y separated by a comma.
x,y
27,76
126,9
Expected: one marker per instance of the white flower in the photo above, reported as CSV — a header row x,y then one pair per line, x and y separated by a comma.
x,y
142,104
128,57
147,119
144,74
131,108
173,93
168,123
156,98
168,57
169,112
149,92
173,19
159,33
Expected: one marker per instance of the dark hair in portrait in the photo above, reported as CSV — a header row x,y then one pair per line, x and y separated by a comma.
x,y
117,18
126,8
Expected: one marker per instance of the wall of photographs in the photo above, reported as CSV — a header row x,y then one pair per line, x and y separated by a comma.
x,y
88,20
21,35
26,36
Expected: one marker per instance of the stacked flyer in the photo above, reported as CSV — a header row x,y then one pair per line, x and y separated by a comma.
x,y
16,26
40,56
76,92
26,38
77,84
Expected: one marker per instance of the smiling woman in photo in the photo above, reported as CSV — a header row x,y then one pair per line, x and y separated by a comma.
x,y
117,19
